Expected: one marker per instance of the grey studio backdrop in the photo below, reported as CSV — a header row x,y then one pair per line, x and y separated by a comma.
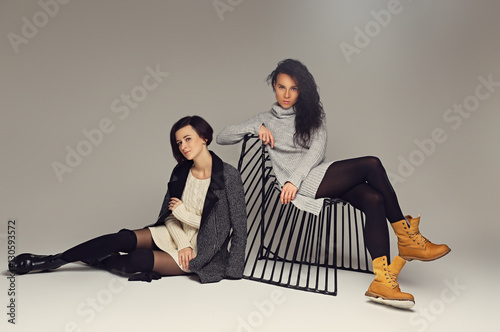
x,y
90,89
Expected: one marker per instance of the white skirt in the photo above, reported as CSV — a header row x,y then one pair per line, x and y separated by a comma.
x,y
166,243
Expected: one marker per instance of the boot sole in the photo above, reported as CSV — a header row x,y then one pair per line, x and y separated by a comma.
x,y
403,304
410,258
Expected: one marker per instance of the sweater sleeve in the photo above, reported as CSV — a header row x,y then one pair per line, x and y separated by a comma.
x,y
175,229
235,133
187,217
313,157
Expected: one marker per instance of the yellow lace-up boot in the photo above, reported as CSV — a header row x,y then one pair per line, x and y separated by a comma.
x,y
413,245
385,288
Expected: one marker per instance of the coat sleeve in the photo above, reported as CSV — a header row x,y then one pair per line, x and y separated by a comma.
x,y
235,133
164,207
164,211
238,216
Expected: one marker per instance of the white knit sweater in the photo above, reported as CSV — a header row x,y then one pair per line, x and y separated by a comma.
x,y
303,167
181,226
189,213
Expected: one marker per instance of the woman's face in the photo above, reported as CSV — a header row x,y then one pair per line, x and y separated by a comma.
x,y
287,90
189,142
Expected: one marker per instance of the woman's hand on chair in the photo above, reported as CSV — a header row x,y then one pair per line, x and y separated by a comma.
x,y
266,136
288,193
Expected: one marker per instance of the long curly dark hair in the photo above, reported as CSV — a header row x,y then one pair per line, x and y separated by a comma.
x,y
309,111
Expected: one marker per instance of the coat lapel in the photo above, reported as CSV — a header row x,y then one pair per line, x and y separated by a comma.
x,y
178,180
216,183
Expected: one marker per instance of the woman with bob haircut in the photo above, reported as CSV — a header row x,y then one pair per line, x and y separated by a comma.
x,y
294,132
202,212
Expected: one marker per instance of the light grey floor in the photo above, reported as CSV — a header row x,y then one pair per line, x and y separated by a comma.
x,y
456,293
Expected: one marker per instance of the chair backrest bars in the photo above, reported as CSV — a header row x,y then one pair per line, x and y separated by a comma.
x,y
290,247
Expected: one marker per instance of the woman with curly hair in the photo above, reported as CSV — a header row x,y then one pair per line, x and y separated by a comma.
x,y
202,213
294,132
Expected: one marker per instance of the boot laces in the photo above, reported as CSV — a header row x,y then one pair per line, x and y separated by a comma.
x,y
393,278
418,238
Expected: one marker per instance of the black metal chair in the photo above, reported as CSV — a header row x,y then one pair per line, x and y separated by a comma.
x,y
292,248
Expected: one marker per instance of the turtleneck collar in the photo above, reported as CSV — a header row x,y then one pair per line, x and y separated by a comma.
x,y
281,112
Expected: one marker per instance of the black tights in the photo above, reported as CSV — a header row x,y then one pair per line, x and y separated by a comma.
x,y
363,182
137,260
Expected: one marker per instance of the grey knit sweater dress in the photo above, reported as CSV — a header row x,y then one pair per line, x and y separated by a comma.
x,y
303,167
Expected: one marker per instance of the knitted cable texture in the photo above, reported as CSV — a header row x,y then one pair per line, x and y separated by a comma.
x,y
303,167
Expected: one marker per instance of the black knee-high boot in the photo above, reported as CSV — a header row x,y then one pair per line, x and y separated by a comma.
x,y
139,263
140,260
25,263
100,247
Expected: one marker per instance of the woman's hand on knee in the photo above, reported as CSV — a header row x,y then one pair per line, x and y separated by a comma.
x,y
266,136
185,255
288,193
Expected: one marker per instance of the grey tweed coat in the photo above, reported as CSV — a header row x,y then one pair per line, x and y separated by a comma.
x,y
223,221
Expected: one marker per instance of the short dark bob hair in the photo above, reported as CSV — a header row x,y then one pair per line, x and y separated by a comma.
x,y
202,128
